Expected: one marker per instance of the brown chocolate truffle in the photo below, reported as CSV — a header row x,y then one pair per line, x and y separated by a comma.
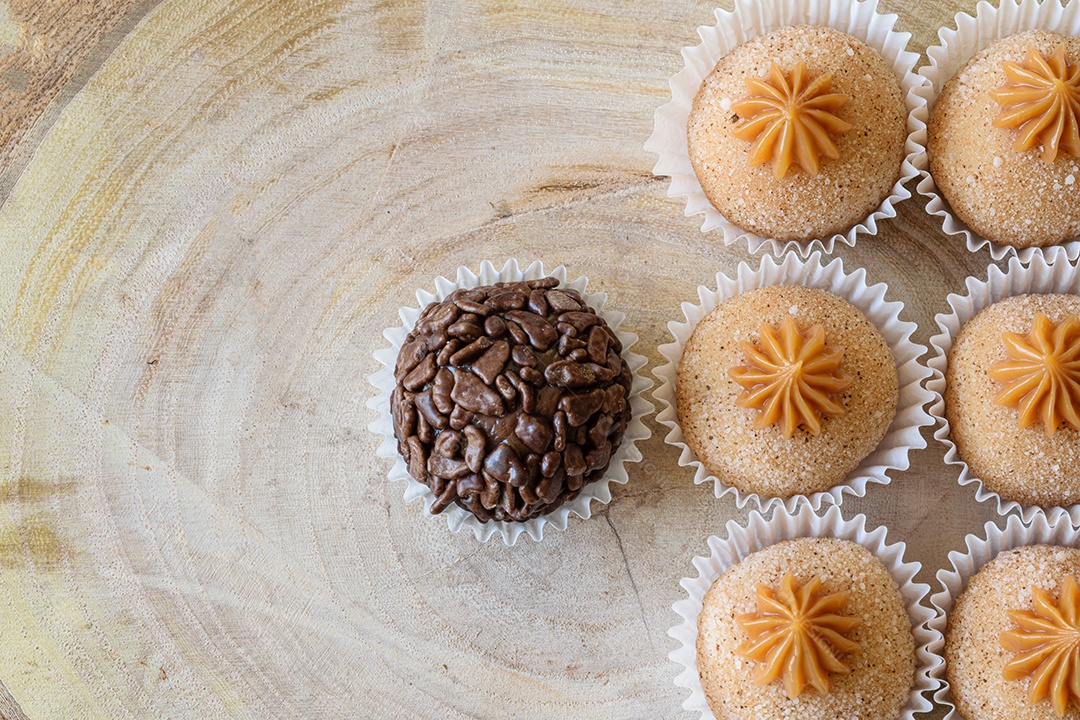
x,y
510,398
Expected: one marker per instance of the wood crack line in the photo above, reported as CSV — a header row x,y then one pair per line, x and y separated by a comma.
x,y
516,215
629,574
9,709
449,565
619,192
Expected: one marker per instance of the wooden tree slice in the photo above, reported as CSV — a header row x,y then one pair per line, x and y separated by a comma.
x,y
199,258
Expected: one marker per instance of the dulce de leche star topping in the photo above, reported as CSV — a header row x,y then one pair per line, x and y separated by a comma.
x,y
797,633
1046,643
1042,374
792,378
1042,99
789,119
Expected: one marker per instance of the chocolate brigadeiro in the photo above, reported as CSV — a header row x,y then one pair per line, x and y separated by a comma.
x,y
510,398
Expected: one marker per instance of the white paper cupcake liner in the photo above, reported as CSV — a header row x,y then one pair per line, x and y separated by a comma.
x,y
760,533
1051,528
458,518
750,19
1049,272
903,434
956,47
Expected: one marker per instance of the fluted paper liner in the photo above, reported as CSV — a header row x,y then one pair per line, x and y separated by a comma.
x,y
760,533
750,19
458,518
956,47
1049,272
903,434
1045,529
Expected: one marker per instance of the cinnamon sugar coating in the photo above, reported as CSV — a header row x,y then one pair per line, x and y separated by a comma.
x,y
762,460
1008,196
881,672
801,205
1021,464
975,659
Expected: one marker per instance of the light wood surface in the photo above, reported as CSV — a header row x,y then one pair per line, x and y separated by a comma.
x,y
211,209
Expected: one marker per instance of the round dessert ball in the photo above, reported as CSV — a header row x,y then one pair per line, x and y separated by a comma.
x,y
882,669
1008,196
510,398
974,657
1021,464
800,205
723,436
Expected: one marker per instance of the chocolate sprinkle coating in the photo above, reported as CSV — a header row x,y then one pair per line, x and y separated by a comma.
x,y
510,398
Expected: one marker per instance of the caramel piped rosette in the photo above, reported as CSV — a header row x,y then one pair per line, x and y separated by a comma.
x,y
1046,643
793,378
797,634
1041,376
1041,100
789,118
